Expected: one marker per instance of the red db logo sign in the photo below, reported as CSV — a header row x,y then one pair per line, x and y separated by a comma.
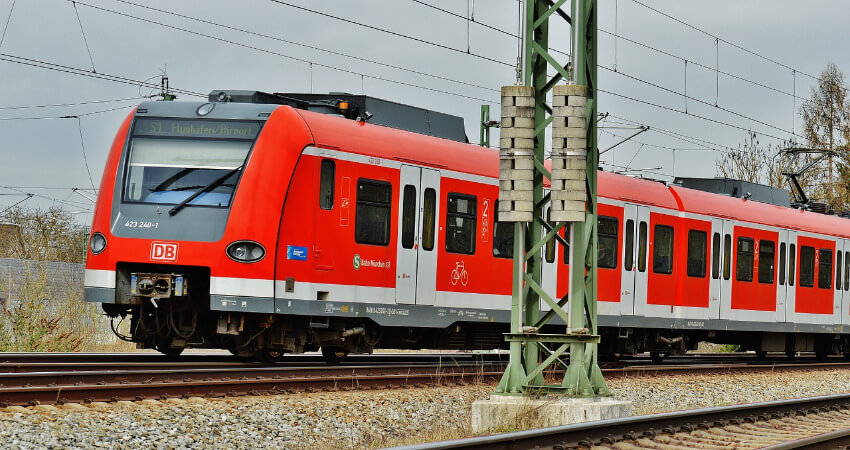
x,y
164,251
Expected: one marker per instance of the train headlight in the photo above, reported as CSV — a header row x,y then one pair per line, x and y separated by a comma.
x,y
97,243
246,251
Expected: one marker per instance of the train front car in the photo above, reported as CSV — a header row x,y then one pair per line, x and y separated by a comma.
x,y
187,217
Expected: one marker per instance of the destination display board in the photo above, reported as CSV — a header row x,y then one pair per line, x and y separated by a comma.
x,y
220,129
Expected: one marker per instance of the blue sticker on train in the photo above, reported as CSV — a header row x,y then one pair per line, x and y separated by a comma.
x,y
296,253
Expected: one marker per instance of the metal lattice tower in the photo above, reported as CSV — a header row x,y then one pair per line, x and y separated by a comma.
x,y
522,159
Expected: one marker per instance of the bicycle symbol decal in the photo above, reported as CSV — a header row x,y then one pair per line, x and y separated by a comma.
x,y
459,274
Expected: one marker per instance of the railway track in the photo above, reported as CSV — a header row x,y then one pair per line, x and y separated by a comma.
x,y
818,422
55,378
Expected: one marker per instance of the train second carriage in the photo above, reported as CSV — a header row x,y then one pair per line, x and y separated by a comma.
x,y
276,223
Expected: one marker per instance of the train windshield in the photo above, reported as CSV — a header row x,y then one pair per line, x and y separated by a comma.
x,y
171,160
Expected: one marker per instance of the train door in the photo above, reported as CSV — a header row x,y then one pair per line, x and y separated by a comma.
x,y
782,285
716,280
416,261
641,275
791,279
727,268
838,279
550,268
630,251
845,285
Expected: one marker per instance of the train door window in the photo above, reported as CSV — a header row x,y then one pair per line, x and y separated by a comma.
x,y
767,259
372,219
662,256
847,271
503,237
550,244
792,262
727,257
629,260
697,242
782,263
825,269
567,247
429,219
715,256
838,271
744,266
608,234
460,223
807,266
642,235
408,216
326,184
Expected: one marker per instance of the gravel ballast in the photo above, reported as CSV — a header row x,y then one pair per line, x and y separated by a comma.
x,y
364,418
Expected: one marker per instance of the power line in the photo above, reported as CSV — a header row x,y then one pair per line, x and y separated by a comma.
x,y
83,32
720,39
6,27
75,116
83,147
312,47
283,55
394,33
56,105
83,72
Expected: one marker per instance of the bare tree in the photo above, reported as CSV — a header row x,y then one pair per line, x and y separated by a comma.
x,y
826,121
756,163
42,235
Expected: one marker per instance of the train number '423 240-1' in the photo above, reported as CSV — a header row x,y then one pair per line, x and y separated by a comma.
x,y
141,224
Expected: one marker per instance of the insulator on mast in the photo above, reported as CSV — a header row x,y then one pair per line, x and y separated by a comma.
x,y
569,153
516,155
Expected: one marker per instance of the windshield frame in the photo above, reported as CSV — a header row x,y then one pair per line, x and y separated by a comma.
x,y
132,136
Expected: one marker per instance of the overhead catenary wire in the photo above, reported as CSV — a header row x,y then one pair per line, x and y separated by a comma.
x,y
41,64
74,116
58,105
83,32
394,33
6,27
290,57
83,148
312,47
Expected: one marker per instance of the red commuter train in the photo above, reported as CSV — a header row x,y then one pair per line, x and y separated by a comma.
x,y
275,223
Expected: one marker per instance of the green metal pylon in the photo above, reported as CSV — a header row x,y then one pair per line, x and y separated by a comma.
x,y
524,374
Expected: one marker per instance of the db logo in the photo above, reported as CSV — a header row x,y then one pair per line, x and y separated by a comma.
x,y
164,251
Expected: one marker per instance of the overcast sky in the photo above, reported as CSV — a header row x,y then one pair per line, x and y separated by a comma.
x,y
47,153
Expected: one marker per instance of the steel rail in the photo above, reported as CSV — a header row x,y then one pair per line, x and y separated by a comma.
x,y
584,435
87,386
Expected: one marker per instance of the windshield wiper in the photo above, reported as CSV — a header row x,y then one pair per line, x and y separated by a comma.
x,y
170,180
214,184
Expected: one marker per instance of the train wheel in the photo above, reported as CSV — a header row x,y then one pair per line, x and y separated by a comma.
x,y
657,357
333,355
761,354
166,349
271,356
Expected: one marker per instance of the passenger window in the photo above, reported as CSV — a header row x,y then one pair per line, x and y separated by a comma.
x,y
503,237
326,184
567,247
792,261
727,257
642,234
715,256
372,219
825,269
744,266
838,271
629,259
662,255
807,266
608,233
767,258
408,216
550,244
697,242
847,271
782,263
429,219
460,223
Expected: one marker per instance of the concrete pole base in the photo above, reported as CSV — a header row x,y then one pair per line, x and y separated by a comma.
x,y
502,413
